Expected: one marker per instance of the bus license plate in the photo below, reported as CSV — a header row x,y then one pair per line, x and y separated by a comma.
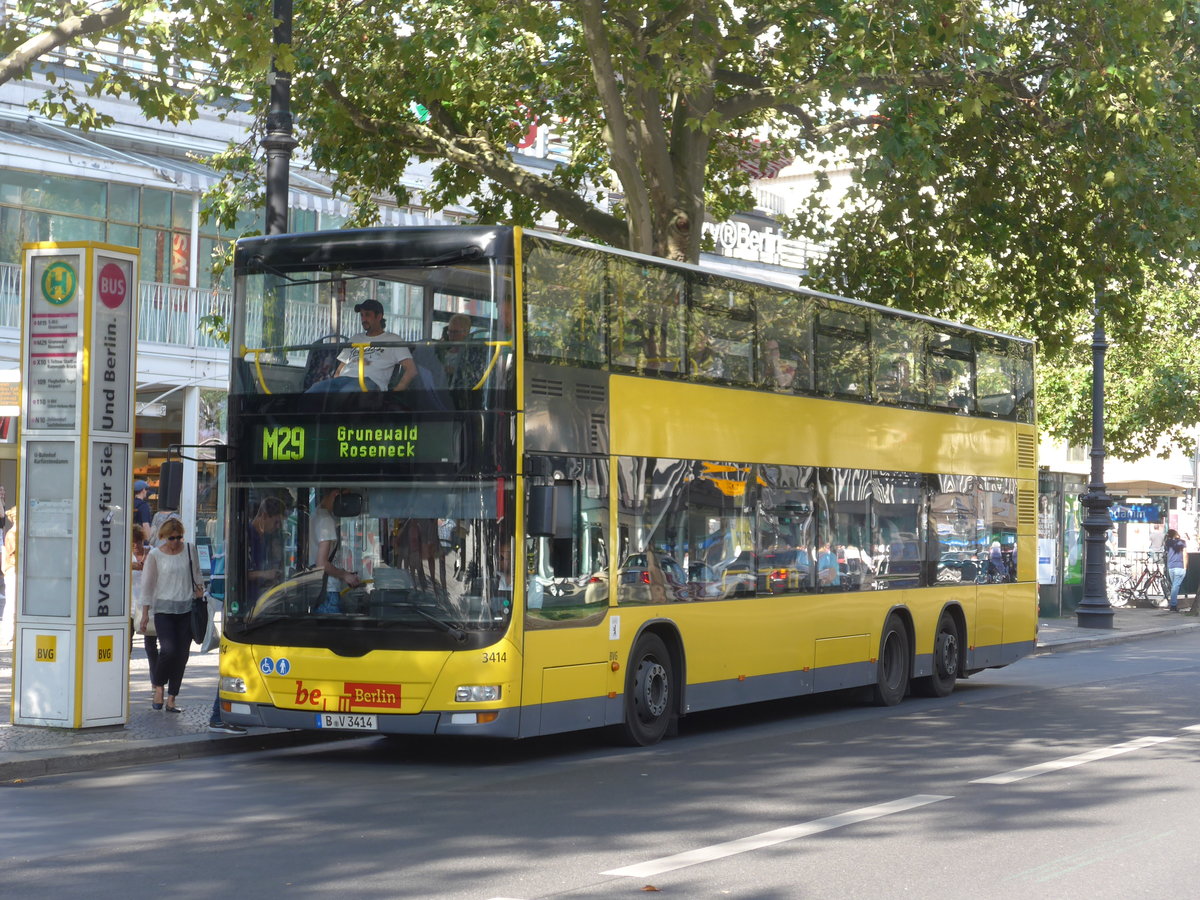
x,y
346,721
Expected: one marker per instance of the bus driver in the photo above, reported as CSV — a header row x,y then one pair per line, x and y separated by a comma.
x,y
379,360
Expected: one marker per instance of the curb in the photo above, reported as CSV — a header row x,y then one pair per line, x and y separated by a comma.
x,y
1112,638
85,759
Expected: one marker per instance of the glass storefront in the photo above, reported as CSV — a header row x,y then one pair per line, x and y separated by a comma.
x,y
1060,543
36,207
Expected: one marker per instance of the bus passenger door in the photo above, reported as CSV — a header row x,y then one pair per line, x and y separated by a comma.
x,y
566,598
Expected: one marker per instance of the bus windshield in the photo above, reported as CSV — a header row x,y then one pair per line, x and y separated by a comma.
x,y
434,326
414,564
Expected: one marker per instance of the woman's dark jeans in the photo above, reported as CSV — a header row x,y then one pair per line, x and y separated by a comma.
x,y
174,646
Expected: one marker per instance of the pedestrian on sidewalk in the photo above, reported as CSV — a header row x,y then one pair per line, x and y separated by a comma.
x,y
137,565
9,566
1174,546
171,578
141,506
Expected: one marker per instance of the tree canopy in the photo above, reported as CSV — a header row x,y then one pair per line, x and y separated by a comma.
x,y
1152,380
1007,161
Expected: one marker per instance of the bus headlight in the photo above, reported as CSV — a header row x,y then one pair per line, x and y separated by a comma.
x,y
475,693
231,685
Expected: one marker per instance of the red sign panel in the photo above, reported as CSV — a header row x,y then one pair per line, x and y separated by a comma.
x,y
358,695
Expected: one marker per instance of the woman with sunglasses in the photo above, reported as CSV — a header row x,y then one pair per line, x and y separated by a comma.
x,y
170,579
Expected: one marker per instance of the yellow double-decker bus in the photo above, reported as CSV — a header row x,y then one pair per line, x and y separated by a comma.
x,y
487,481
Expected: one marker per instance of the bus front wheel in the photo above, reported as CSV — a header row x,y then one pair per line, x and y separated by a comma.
x,y
649,692
947,656
892,667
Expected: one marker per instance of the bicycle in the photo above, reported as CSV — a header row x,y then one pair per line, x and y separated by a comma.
x,y
1137,591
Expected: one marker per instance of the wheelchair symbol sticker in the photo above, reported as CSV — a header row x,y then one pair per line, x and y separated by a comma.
x,y
267,666
283,666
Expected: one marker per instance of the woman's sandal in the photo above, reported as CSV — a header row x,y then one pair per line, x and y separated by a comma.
x,y
172,708
156,704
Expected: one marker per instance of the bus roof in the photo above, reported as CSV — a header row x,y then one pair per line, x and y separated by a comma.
x,y
423,245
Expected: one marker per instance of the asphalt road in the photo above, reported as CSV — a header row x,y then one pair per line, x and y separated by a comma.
x,y
1068,776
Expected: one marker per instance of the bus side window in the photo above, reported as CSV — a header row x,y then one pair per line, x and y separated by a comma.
x,y
646,310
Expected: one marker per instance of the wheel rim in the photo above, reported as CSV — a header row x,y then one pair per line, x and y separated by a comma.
x,y
948,657
655,691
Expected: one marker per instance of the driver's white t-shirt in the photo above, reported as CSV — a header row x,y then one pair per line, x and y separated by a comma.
x,y
379,361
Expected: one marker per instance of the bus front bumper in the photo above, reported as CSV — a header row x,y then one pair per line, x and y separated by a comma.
x,y
506,723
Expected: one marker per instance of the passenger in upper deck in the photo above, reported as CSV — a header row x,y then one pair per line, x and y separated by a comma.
x,y
463,361
379,360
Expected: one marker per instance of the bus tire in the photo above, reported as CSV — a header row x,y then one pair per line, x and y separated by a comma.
x,y
947,657
649,692
893,666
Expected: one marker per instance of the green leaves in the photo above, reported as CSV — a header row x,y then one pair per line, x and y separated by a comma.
x,y
999,161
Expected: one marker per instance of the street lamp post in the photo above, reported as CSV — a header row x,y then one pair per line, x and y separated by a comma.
x,y
1094,610
278,141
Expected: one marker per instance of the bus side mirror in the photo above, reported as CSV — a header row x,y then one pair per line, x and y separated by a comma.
x,y
551,508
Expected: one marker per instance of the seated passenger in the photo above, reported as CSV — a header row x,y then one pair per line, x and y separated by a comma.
x,y
378,361
778,373
463,360
706,361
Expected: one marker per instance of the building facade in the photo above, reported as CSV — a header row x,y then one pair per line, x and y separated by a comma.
x,y
139,184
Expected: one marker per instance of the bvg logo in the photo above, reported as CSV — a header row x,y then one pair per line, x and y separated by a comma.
x,y
59,283
45,648
281,444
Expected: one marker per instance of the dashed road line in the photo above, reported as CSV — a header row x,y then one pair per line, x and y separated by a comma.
x,y
1067,762
770,838
867,813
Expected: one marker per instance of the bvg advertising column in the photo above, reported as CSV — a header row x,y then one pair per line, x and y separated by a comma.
x,y
78,341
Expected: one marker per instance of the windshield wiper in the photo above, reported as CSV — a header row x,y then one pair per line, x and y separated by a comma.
x,y
249,626
453,630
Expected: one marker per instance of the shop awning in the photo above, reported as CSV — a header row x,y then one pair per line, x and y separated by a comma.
x,y
1145,488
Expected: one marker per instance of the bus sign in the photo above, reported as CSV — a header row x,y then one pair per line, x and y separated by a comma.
x,y
331,443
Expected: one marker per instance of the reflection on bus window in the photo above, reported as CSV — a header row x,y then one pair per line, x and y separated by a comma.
x,y
566,577
427,554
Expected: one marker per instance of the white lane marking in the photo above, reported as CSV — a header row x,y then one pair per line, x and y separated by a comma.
x,y
1068,761
1192,728
769,838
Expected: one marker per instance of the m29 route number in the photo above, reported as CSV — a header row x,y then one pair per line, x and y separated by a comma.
x,y
495,657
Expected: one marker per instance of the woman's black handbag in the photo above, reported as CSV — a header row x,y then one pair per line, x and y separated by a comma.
x,y
199,615
199,618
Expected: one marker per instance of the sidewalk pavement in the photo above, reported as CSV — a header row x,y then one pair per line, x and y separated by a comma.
x,y
150,736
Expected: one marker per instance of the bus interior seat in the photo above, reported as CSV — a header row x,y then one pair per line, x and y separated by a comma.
x,y
278,378
997,404
322,362
432,377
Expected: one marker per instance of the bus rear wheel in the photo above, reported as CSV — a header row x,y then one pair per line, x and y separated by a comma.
x,y
649,692
947,656
892,668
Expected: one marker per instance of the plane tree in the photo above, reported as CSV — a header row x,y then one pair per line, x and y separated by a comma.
x,y
1007,163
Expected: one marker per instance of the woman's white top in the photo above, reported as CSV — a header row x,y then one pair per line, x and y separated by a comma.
x,y
167,583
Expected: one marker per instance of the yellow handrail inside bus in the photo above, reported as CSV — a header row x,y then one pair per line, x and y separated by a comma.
x,y
362,359
258,365
496,346
257,352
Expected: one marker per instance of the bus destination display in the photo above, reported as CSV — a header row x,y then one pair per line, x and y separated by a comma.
x,y
330,443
